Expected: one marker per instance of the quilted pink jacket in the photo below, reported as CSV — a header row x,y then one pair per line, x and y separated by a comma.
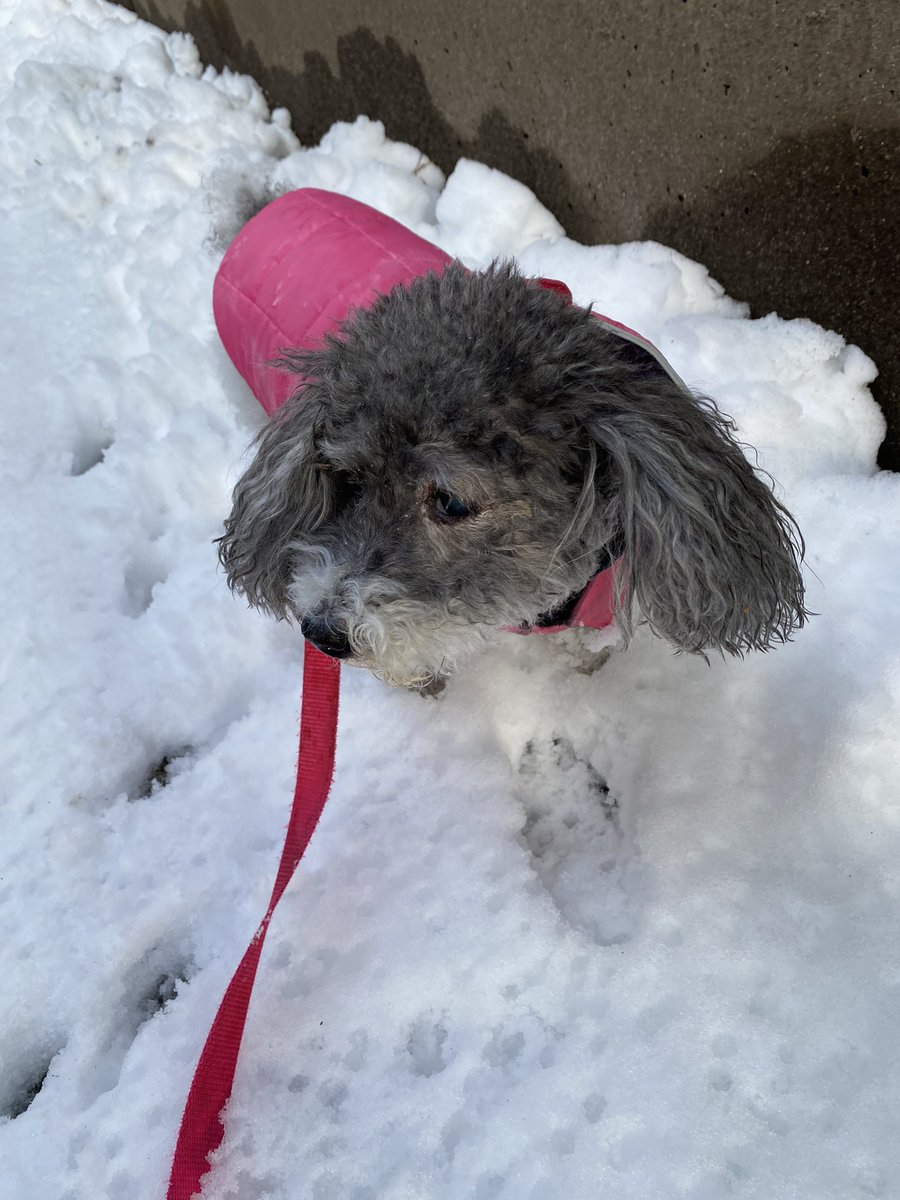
x,y
294,272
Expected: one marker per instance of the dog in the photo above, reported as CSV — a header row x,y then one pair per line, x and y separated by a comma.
x,y
467,452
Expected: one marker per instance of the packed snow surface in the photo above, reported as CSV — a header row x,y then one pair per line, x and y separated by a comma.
x,y
561,934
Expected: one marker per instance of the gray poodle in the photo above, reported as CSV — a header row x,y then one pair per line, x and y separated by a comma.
x,y
464,455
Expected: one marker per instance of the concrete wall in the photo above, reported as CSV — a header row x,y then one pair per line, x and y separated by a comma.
x,y
761,137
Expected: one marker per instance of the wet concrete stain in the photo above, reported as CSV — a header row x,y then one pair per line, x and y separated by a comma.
x,y
810,230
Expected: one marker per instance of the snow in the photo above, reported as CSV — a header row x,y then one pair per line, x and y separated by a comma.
x,y
561,933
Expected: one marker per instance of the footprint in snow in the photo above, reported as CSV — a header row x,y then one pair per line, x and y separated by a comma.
x,y
579,846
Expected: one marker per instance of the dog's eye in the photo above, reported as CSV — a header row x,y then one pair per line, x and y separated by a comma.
x,y
345,487
449,508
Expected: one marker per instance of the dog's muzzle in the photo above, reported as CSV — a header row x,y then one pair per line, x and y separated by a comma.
x,y
330,638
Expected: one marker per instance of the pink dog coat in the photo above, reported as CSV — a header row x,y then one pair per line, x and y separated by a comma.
x,y
296,270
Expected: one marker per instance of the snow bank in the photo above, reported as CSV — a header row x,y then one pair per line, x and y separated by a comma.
x,y
560,934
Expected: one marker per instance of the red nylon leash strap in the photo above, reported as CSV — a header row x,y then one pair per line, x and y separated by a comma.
x,y
201,1128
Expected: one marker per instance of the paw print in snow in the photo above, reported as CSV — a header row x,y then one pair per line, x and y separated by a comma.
x,y
579,848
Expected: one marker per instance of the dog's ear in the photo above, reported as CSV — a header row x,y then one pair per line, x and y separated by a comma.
x,y
282,496
710,557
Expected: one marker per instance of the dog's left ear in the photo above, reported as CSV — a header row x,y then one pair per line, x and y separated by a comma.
x,y
710,557
279,500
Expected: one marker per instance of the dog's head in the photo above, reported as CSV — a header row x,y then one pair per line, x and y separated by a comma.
x,y
463,454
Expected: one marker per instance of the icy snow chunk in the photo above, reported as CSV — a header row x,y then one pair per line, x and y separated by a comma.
x,y
641,284
482,214
393,190
798,393
363,141
149,63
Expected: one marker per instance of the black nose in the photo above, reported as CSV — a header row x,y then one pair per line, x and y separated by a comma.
x,y
326,636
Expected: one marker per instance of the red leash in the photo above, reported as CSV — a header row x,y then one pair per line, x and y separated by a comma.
x,y
201,1128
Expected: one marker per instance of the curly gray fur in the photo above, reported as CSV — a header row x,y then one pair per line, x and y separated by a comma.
x,y
564,441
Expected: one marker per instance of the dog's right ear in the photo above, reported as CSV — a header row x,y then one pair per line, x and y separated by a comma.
x,y
708,555
282,497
